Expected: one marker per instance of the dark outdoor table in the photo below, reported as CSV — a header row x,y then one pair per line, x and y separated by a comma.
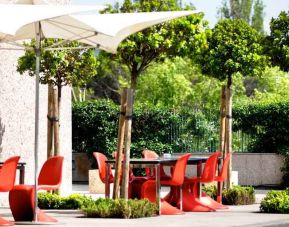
x,y
155,163
21,167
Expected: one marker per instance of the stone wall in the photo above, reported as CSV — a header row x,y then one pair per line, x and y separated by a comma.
x,y
253,168
17,115
258,168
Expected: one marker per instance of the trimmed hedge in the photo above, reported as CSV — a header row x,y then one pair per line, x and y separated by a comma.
x,y
100,208
95,125
267,123
275,202
120,208
54,201
237,195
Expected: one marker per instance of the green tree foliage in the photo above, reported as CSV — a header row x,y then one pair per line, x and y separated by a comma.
x,y
163,130
177,83
60,67
234,47
277,43
266,123
176,38
272,86
242,9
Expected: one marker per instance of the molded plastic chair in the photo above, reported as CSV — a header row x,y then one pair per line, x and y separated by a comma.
x,y
135,182
201,202
50,175
149,154
21,196
7,180
223,175
220,179
208,174
176,180
100,159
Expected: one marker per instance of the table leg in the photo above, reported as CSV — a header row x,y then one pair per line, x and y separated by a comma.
x,y
158,186
21,174
107,183
199,173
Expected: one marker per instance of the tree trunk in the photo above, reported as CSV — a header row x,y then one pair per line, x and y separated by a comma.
x,y
127,139
222,120
56,121
50,122
120,140
229,128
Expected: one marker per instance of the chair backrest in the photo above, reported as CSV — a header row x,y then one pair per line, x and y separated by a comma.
x,y
8,174
149,154
224,171
179,171
210,167
100,159
50,175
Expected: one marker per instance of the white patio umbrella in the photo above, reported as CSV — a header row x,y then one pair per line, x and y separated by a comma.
x,y
71,23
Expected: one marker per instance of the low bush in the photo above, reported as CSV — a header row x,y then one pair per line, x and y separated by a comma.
x,y
100,208
55,201
119,208
237,195
275,202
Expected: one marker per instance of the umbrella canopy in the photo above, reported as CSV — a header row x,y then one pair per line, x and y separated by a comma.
x,y
104,31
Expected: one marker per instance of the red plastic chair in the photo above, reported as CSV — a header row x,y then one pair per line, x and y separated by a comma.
x,y
202,202
100,159
20,196
208,174
7,180
223,175
50,175
176,180
149,154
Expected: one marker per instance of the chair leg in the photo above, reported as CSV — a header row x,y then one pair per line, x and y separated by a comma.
x,y
219,192
181,198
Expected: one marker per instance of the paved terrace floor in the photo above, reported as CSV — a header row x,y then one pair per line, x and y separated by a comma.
x,y
248,216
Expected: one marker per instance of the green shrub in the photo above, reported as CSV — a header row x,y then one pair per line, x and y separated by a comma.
x,y
49,201
95,125
108,208
211,191
237,195
266,123
275,202
55,201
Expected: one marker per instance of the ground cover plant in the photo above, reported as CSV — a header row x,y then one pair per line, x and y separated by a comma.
x,y
55,201
120,208
275,202
237,195
100,208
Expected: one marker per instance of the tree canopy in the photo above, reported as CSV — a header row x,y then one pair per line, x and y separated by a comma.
x,y
60,67
175,38
233,47
277,43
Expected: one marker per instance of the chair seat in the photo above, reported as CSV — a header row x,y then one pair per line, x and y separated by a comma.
x,y
196,180
219,179
48,187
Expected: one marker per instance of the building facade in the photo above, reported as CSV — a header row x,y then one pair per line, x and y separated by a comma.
x,y
17,116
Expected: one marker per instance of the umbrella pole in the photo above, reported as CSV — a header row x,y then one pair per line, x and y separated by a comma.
x,y
37,71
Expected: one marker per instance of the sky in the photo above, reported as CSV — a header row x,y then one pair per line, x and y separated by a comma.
x,y
210,8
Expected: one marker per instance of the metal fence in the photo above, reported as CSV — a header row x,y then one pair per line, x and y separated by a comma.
x,y
184,140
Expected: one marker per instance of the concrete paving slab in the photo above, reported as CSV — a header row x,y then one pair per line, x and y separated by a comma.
x,y
235,216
